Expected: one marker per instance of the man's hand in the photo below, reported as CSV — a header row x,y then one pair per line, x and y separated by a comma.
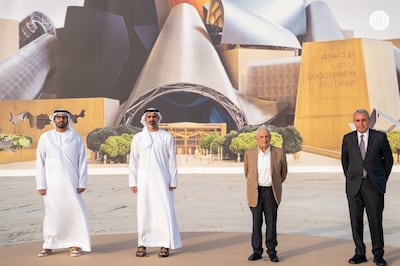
x,y
172,188
133,189
80,190
42,192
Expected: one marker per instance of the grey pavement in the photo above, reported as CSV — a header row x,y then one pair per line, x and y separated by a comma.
x,y
210,204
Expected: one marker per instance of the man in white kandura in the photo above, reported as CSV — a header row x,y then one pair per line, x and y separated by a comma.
x,y
61,177
153,176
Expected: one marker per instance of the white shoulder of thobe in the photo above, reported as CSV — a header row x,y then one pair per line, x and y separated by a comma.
x,y
41,154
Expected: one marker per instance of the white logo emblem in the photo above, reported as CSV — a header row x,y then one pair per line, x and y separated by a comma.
x,y
379,20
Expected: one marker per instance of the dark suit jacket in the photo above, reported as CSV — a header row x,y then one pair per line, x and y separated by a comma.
x,y
278,173
378,161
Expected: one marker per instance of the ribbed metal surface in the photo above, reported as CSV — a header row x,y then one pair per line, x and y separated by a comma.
x,y
22,75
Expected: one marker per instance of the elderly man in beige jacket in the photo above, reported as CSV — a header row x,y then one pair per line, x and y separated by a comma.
x,y
265,169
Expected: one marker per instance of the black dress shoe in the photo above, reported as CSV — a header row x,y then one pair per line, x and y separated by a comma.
x,y
255,256
356,259
380,261
274,258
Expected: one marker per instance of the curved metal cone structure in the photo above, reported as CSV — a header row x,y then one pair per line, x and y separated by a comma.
x,y
321,23
249,23
22,75
185,70
185,79
289,14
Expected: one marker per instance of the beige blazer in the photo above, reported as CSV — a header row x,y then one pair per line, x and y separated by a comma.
x,y
278,173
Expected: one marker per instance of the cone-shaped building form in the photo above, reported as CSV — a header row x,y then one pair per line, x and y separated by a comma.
x,y
183,71
185,79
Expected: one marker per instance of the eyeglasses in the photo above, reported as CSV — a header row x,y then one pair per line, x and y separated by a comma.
x,y
61,117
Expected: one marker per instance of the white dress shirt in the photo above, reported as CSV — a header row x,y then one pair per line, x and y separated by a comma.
x,y
264,168
366,135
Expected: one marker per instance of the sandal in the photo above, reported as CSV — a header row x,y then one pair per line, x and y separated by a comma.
x,y
44,252
164,252
75,252
141,251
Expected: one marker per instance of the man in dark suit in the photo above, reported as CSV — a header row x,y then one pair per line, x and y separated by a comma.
x,y
367,162
265,169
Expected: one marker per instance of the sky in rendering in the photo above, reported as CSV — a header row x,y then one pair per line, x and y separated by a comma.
x,y
375,19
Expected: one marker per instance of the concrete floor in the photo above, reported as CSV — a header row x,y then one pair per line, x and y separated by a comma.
x,y
213,217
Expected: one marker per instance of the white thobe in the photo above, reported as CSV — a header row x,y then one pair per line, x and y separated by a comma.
x,y
153,169
61,169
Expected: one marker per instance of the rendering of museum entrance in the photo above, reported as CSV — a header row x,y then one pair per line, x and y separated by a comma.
x,y
187,135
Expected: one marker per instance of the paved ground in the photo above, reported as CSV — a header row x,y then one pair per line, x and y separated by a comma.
x,y
212,213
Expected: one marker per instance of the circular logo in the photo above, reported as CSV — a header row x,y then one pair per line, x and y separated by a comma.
x,y
379,20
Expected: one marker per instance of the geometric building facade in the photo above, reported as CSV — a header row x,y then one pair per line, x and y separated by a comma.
x,y
238,59
338,77
93,49
31,119
275,80
236,62
184,75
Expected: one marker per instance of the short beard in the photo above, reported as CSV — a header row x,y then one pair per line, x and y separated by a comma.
x,y
61,125
153,126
